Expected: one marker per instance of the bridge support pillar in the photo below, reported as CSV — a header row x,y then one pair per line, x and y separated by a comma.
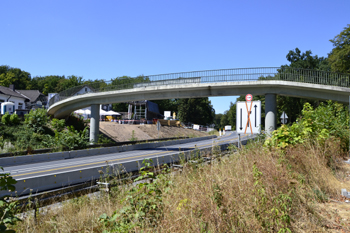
x,y
94,123
270,113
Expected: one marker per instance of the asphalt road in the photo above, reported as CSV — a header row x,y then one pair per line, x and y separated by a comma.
x,y
61,166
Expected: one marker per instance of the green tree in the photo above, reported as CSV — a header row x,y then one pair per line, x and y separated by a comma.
x,y
46,84
305,60
69,82
224,120
196,110
96,84
293,106
217,120
167,105
19,78
231,116
120,107
339,58
125,80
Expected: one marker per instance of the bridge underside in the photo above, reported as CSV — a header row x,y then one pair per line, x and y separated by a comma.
x,y
63,108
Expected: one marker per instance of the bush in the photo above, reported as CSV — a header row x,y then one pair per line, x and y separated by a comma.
x,y
7,208
142,206
6,119
37,119
76,121
14,119
327,120
104,140
58,124
72,138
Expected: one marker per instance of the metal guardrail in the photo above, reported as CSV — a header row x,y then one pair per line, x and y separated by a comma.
x,y
52,150
210,76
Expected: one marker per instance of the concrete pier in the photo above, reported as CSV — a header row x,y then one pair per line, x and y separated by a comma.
x,y
270,113
94,123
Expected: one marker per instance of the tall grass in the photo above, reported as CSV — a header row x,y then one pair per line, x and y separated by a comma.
x,y
253,190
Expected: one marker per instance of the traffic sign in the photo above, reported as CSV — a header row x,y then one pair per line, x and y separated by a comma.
x,y
248,97
284,118
248,117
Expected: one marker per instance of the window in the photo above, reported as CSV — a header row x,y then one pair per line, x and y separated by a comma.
x,y
86,89
20,105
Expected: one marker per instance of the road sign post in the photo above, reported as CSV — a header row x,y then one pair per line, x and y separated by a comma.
x,y
239,140
158,127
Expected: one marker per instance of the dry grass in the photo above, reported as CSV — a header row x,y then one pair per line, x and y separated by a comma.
x,y
254,190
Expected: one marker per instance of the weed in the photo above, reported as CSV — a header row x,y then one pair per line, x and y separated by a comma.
x,y
133,138
143,204
8,207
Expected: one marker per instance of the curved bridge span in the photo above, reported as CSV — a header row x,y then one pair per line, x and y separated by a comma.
x,y
229,82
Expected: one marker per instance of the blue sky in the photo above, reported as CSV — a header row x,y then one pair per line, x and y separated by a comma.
x,y
106,39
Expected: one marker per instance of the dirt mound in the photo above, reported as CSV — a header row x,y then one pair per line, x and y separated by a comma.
x,y
122,133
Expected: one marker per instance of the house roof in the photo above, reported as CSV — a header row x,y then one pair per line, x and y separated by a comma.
x,y
8,91
30,94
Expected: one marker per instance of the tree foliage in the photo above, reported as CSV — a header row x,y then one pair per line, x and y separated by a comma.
x,y
124,80
196,110
8,75
339,58
293,106
305,60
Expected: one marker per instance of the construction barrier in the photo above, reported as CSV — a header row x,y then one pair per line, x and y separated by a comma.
x,y
169,123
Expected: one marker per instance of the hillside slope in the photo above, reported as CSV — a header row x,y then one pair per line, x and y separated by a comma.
x,y
121,133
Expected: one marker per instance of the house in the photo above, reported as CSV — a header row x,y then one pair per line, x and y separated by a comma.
x,y
8,94
83,89
37,99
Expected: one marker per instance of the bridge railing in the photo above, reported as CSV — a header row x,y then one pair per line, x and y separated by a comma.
x,y
211,76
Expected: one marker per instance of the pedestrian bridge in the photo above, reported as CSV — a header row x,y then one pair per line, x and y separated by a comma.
x,y
269,81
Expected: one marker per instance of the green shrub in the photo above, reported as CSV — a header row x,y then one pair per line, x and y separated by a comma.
x,y
37,119
143,204
72,138
6,119
7,208
58,124
14,119
76,121
327,120
104,140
